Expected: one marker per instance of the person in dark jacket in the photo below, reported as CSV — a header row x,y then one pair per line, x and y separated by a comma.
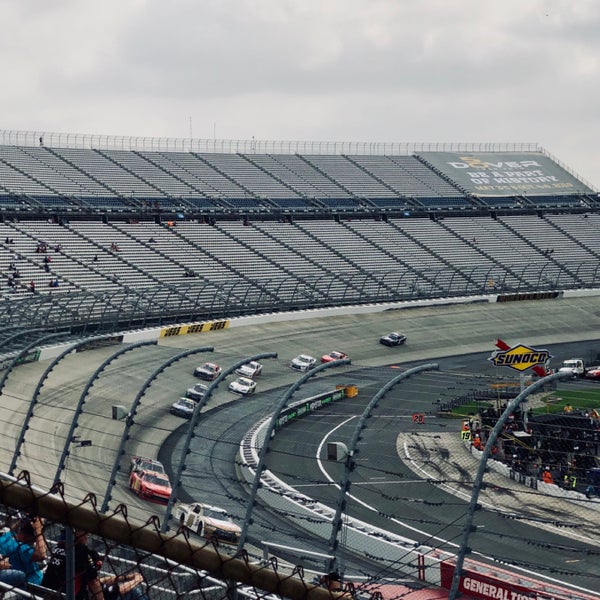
x,y
87,583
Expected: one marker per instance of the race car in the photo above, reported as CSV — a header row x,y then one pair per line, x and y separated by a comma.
x,y
208,521
197,392
243,386
393,339
208,371
142,463
184,407
151,486
593,373
303,362
333,356
251,369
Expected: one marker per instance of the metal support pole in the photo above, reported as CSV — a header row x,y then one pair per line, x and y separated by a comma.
x,y
36,393
129,421
494,434
350,464
267,441
176,484
81,402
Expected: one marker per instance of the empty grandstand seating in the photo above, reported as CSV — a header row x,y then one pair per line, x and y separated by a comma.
x,y
295,228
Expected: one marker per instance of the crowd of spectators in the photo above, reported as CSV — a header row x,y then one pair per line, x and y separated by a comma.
x,y
555,448
28,564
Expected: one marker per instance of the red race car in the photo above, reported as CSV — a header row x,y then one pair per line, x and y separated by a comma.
x,y
150,485
593,373
335,355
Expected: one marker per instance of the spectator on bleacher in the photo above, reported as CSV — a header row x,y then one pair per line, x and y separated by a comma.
x,y
53,283
32,286
47,259
57,248
127,586
47,267
152,241
95,259
87,582
114,247
23,550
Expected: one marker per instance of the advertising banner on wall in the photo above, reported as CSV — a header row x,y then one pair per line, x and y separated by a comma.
x,y
506,173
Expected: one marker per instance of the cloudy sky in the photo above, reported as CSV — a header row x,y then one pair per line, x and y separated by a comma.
x,y
339,70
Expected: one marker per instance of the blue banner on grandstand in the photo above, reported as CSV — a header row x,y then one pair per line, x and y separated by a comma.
x,y
505,173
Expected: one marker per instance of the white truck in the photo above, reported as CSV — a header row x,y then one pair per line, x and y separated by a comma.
x,y
574,366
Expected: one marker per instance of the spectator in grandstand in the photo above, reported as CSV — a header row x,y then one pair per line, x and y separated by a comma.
x,y
152,241
95,259
57,248
23,549
568,408
47,267
31,286
127,586
87,583
114,247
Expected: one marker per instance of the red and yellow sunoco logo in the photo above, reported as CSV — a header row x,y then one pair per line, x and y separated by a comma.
x,y
520,357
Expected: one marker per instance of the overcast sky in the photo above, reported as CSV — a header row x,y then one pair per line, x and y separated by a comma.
x,y
339,70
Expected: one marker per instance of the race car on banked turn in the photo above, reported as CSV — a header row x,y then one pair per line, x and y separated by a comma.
x,y
208,521
197,392
303,362
333,356
208,371
251,369
151,486
184,407
393,339
243,386
142,463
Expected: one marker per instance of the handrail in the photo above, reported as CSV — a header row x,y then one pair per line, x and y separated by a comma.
x,y
253,146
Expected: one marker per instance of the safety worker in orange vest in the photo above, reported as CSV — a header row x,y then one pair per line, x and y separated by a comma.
x,y
547,476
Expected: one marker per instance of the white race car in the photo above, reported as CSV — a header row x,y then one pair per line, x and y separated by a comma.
x,y
251,369
303,362
208,521
243,386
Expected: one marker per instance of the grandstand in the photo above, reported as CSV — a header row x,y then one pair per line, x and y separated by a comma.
x,y
140,231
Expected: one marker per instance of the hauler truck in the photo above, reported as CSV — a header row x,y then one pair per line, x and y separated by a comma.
x,y
574,366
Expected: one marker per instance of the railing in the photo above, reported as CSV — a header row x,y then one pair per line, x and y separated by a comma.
x,y
252,146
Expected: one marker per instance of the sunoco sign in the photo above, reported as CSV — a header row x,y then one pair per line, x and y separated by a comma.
x,y
520,358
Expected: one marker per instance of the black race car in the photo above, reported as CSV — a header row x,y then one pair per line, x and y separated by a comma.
x,y
393,339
